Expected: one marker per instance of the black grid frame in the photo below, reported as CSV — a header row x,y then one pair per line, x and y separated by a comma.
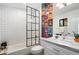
x,y
33,13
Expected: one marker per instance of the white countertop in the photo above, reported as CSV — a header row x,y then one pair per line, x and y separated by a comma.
x,y
69,42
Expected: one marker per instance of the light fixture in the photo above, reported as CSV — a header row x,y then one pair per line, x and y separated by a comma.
x,y
61,5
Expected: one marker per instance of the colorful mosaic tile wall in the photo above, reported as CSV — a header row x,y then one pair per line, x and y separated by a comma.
x,y
47,20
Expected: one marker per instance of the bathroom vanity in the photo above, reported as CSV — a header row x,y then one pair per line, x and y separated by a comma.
x,y
60,46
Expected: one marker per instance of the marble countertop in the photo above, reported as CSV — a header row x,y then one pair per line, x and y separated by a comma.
x,y
69,42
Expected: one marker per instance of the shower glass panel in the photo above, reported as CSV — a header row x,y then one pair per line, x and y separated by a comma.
x,y
29,34
33,34
37,40
28,28
33,12
37,20
29,11
29,42
33,19
37,27
32,26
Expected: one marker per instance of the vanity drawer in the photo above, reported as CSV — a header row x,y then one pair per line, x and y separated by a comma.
x,y
57,49
67,51
48,51
52,48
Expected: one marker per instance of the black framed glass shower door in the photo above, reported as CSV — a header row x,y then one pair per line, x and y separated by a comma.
x,y
32,26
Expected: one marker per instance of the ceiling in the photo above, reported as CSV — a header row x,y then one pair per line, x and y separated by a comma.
x,y
71,7
34,5
14,5
21,5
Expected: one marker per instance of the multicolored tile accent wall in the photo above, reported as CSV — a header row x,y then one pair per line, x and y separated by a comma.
x,y
47,20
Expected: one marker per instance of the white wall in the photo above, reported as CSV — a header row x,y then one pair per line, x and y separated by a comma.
x,y
13,25
72,16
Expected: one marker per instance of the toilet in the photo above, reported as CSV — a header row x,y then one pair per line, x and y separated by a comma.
x,y
37,50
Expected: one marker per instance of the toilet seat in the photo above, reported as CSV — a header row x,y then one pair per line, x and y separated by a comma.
x,y
36,49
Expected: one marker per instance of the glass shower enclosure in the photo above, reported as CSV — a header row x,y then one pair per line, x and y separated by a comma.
x,y
32,26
